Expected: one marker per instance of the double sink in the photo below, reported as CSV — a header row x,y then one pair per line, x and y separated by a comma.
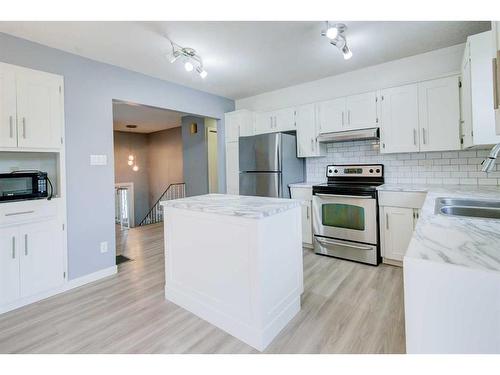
x,y
478,208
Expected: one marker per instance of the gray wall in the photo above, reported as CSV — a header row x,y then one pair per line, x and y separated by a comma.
x,y
195,156
137,144
90,87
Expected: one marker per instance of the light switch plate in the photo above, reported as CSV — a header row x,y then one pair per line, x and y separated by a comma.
x,y
98,159
104,247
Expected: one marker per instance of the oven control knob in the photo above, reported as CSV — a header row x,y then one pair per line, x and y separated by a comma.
x,y
378,170
336,171
371,170
330,171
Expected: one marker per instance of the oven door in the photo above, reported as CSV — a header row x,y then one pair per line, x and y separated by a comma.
x,y
345,217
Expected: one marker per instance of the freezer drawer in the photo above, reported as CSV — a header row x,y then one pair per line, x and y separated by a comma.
x,y
261,184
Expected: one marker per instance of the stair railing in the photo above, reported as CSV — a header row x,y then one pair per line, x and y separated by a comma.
x,y
155,214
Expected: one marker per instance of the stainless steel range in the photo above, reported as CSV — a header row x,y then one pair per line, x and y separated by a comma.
x,y
345,213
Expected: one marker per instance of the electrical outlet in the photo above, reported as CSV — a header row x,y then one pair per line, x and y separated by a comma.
x,y
104,247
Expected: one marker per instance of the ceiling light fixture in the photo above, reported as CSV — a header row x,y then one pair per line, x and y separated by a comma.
x,y
336,34
190,57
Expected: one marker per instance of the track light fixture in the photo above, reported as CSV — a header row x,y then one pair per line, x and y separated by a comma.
x,y
336,34
192,61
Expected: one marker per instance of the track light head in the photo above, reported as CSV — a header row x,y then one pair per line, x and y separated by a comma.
x,y
346,51
188,66
336,34
332,32
202,72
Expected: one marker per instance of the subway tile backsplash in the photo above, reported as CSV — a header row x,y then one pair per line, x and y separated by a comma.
x,y
447,167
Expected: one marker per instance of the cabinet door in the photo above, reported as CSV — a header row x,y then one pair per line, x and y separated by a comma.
x,y
231,127
399,119
264,123
361,111
39,109
284,120
331,115
246,123
398,224
9,265
466,101
307,132
41,252
306,222
232,168
439,114
8,131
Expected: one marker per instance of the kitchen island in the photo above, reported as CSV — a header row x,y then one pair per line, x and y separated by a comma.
x,y
236,262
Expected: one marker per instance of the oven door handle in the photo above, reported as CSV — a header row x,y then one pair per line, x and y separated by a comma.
x,y
330,242
344,196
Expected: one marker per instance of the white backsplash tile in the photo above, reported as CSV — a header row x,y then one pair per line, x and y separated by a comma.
x,y
443,168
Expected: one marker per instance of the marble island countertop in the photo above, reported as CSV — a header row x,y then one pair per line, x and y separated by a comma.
x,y
457,240
234,205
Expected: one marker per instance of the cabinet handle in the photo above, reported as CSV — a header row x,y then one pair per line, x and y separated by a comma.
x,y
342,118
424,140
13,247
312,144
24,127
415,137
349,117
19,213
307,212
387,221
495,81
26,244
11,126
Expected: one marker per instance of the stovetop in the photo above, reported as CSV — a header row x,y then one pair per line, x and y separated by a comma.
x,y
352,179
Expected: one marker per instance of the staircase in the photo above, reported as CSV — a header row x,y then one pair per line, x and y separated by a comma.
x,y
155,214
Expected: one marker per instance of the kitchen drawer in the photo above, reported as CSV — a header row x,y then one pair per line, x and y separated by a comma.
x,y
401,199
301,193
27,211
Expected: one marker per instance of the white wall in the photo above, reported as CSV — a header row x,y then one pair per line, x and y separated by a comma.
x,y
394,73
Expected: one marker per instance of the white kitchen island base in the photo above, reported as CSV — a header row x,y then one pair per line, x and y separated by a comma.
x,y
241,272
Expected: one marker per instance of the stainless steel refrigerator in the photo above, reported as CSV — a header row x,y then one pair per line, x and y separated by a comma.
x,y
268,164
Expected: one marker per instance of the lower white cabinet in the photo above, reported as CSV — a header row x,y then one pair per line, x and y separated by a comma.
x,y
232,168
304,194
399,213
31,259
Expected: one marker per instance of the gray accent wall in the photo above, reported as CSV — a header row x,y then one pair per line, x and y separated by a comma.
x,y
195,156
90,87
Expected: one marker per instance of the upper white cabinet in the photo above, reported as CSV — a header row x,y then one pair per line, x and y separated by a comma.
x,y
239,124
8,112
275,121
478,115
306,118
31,109
421,117
332,115
439,114
347,113
399,118
361,111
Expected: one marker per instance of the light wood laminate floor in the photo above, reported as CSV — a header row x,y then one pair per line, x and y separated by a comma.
x,y
346,308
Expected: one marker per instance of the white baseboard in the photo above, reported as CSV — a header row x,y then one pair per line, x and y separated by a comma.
x,y
67,285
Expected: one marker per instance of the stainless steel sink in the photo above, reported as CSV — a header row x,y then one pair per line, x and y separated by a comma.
x,y
479,208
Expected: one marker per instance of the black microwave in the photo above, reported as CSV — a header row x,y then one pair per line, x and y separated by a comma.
x,y
23,185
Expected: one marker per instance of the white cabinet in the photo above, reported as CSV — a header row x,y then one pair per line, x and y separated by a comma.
x,y
361,111
32,255
421,117
41,256
9,265
495,29
439,114
399,213
398,225
8,111
304,194
232,168
307,132
37,122
275,121
331,115
239,124
399,119
477,113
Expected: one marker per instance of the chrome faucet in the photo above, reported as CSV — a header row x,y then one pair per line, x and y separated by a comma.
x,y
489,163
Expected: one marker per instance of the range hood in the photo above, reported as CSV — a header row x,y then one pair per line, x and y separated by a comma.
x,y
350,135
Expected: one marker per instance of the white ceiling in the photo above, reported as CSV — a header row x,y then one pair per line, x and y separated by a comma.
x,y
148,119
244,58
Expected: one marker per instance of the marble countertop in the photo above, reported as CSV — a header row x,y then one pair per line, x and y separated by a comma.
x,y
457,240
234,205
